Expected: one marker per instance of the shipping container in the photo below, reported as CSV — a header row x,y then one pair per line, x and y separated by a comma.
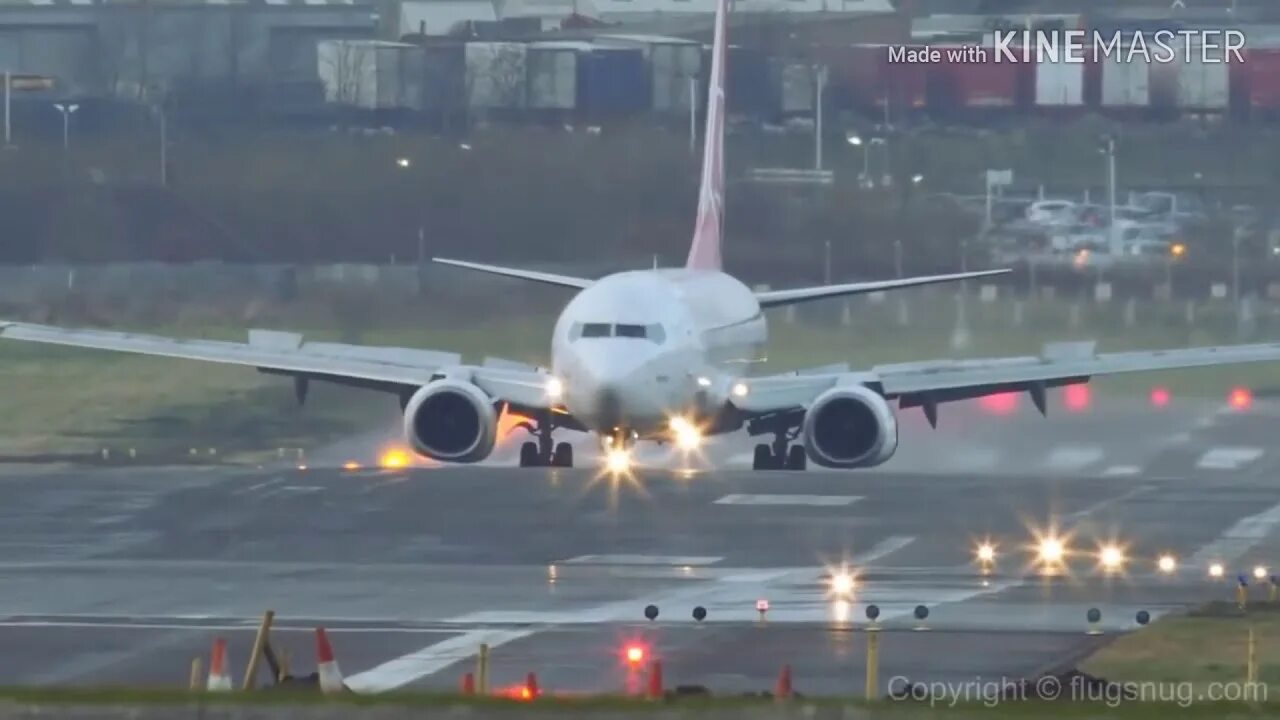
x,y
977,85
750,86
1059,82
612,83
1262,77
553,74
1202,85
673,64
444,84
496,75
796,86
370,74
1124,84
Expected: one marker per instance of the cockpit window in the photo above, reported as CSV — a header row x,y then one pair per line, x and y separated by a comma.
x,y
652,332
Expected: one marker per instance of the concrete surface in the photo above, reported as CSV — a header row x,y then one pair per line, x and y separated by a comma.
x,y
124,575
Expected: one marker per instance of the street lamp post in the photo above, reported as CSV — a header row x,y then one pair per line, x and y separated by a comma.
x,y
67,109
1112,237
820,81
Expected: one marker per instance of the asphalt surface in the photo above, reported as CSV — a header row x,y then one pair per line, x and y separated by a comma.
x,y
124,575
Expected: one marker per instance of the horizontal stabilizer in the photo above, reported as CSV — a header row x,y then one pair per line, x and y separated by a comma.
x,y
531,275
775,298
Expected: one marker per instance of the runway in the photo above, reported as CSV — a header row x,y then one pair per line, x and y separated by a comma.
x,y
124,575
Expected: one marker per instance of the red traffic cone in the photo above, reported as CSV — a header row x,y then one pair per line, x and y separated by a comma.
x,y
468,684
655,681
331,680
783,689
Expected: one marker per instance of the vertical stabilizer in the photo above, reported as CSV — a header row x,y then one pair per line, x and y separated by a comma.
x,y
704,254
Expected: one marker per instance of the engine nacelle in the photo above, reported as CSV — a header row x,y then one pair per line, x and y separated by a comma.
x,y
451,420
850,426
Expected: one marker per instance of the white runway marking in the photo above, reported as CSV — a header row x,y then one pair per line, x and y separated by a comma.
x,y
1086,512
1239,539
1228,458
220,627
1121,471
674,560
809,500
1072,457
434,658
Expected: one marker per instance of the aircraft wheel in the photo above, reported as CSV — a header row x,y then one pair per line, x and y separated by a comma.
x,y
529,455
796,459
763,459
563,456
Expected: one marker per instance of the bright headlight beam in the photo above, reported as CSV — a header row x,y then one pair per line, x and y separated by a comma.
x,y
1167,564
986,553
617,461
842,583
687,435
1216,570
555,388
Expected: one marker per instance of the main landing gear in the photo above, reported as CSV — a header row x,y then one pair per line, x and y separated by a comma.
x,y
782,453
544,452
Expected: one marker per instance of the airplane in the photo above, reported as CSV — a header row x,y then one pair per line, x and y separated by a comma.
x,y
660,354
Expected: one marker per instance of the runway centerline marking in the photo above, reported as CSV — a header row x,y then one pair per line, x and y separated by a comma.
x,y
806,500
1086,512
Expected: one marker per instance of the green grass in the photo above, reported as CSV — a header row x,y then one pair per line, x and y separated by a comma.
x,y
1199,650
64,400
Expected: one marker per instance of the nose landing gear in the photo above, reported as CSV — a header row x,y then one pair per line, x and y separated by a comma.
x,y
544,452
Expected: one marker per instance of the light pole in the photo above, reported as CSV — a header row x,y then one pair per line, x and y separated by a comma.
x,y
164,144
1113,239
826,263
820,80
67,111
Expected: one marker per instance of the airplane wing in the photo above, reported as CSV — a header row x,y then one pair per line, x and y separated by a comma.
x,y
774,298
532,275
926,384
390,369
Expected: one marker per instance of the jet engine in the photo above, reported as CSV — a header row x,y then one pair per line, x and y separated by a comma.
x,y
848,427
451,420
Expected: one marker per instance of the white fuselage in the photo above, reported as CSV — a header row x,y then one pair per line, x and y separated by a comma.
x,y
636,348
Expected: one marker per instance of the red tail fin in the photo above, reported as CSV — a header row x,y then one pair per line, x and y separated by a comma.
x,y
704,254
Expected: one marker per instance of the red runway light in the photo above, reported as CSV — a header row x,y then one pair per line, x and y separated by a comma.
x,y
635,654
1000,403
1076,397
1240,398
1159,397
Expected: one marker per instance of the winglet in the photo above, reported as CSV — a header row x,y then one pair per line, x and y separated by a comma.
x,y
704,253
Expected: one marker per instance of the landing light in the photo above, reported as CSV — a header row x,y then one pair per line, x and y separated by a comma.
x,y
1167,564
687,435
740,389
555,388
1260,573
1216,570
617,460
704,381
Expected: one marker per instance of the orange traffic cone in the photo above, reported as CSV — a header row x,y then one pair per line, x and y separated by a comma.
x,y
327,666
219,680
783,689
468,684
655,681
